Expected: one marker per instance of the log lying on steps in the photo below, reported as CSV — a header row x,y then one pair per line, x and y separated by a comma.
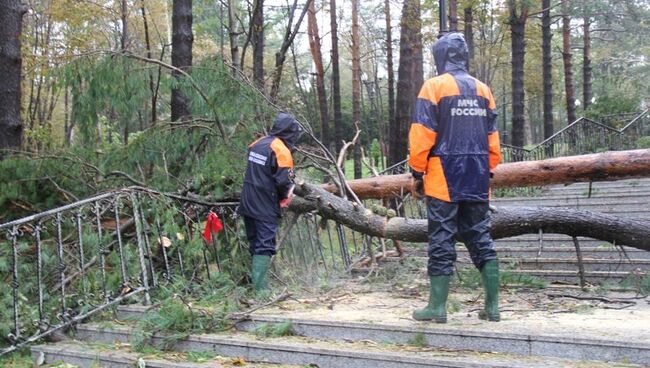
x,y
615,165
506,221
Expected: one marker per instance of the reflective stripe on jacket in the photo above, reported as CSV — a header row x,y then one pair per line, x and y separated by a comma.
x,y
453,137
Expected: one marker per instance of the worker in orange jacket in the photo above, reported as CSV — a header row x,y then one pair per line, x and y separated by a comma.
x,y
454,147
268,187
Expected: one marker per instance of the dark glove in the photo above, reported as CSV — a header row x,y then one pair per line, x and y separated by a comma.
x,y
417,188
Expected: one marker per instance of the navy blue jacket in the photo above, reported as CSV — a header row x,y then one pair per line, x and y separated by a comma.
x,y
269,171
453,137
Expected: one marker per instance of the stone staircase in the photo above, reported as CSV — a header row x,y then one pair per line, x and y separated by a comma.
x,y
553,256
337,341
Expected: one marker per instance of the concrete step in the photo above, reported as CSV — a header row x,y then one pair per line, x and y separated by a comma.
x,y
589,264
573,277
634,182
549,250
594,207
340,352
87,355
595,192
530,250
572,201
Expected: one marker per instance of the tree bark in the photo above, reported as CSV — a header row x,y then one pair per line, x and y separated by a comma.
x,y
356,85
315,47
506,221
336,79
469,34
182,39
568,66
409,81
152,84
124,40
608,166
586,58
453,15
547,69
391,73
517,21
11,24
233,34
257,39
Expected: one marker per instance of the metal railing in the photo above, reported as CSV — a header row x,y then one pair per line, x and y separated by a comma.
x,y
72,262
585,136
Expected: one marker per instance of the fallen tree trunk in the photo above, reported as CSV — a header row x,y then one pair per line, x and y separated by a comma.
x,y
608,166
506,221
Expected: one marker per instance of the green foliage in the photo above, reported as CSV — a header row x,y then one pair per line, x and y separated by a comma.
x,y
177,318
18,359
418,340
643,142
640,283
275,329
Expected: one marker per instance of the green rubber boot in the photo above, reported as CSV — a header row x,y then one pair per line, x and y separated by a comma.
x,y
490,276
260,267
436,310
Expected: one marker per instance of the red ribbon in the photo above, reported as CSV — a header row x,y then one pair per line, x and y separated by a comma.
x,y
212,225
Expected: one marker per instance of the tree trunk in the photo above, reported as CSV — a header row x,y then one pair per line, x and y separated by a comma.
x,y
289,36
409,79
233,34
453,15
11,20
257,39
152,85
517,20
391,73
356,85
608,166
506,221
568,67
182,39
124,40
469,34
315,47
586,59
547,68
336,79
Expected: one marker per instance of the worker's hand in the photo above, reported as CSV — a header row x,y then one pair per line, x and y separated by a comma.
x,y
417,185
284,203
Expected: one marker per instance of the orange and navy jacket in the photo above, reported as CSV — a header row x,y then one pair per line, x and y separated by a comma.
x,y
269,172
453,139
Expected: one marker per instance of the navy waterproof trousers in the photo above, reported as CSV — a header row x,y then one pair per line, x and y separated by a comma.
x,y
470,221
261,236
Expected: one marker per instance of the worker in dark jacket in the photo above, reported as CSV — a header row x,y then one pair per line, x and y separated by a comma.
x,y
268,186
454,147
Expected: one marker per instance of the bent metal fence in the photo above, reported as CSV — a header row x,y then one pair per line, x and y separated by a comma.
x,y
67,264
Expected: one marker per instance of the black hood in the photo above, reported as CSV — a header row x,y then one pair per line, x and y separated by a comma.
x,y
450,53
286,128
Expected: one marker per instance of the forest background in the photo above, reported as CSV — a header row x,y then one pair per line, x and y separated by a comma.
x,y
167,94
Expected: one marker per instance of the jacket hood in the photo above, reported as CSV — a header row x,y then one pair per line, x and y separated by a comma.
x,y
286,128
450,53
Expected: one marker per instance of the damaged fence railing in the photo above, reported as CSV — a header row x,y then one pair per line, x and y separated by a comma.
x,y
63,265
71,262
